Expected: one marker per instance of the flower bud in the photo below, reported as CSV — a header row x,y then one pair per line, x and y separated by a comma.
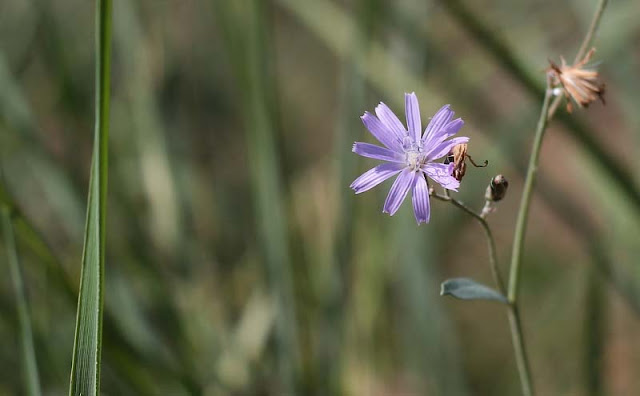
x,y
497,189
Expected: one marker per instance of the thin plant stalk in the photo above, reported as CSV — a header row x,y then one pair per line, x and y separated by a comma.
x,y
30,367
514,317
523,212
87,348
520,350
491,245
518,242
595,22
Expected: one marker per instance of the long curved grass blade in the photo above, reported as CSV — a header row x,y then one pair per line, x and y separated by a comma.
x,y
85,368
30,368
17,116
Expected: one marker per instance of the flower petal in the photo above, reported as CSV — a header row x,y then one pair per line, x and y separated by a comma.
x,y
392,122
442,149
445,132
441,174
440,119
420,198
377,152
381,132
399,191
375,176
412,110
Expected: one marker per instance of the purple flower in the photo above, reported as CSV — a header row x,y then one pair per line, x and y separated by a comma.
x,y
410,154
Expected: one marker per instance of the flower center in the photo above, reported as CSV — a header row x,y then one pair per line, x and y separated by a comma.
x,y
413,154
415,158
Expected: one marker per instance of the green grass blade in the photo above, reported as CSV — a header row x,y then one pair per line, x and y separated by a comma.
x,y
85,368
30,368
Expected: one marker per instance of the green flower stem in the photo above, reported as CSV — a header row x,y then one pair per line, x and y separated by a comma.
x,y
523,212
493,261
595,22
516,256
519,350
30,368
514,317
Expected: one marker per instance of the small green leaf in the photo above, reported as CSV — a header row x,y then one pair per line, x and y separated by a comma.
x,y
468,289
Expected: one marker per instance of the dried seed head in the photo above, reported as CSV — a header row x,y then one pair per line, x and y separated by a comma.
x,y
497,189
577,82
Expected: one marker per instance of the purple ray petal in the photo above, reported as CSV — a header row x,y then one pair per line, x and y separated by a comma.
x,y
420,198
445,132
377,152
392,122
442,118
399,191
442,149
441,174
412,110
381,132
375,176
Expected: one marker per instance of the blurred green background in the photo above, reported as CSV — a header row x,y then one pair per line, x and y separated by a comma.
x,y
238,260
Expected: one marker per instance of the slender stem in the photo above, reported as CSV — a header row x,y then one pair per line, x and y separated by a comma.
x,y
523,213
516,256
514,317
586,43
554,106
519,350
493,261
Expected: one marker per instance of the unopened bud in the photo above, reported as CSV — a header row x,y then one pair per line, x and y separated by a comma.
x,y
497,189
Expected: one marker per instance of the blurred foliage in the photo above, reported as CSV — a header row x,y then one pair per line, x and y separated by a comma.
x,y
239,262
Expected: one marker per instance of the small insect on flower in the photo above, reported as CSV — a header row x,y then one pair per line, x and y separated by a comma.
x,y
410,154
458,156
577,82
